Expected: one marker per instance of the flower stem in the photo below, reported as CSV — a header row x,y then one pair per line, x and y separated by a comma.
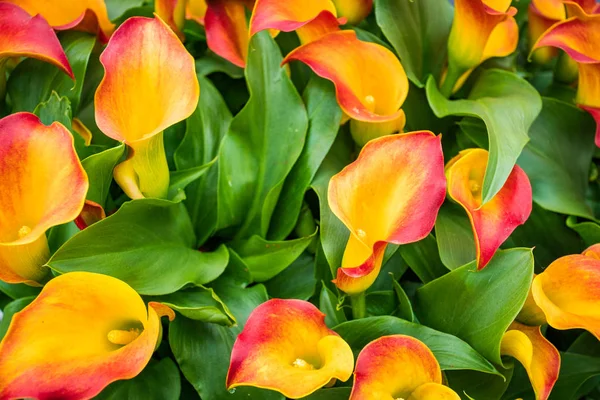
x,y
452,76
359,305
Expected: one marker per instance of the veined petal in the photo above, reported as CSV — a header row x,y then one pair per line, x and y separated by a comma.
x,y
227,30
83,15
577,35
196,10
494,221
538,24
135,102
173,13
353,10
539,357
95,329
43,185
24,36
396,367
287,16
390,194
568,292
286,346
370,83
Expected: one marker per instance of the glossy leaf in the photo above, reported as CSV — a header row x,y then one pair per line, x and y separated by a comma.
x,y
329,305
589,231
99,168
405,310
423,258
454,236
296,281
179,180
478,385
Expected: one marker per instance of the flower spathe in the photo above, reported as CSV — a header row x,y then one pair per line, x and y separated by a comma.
x,y
353,10
398,367
494,221
173,12
22,35
43,185
95,328
390,194
135,105
286,346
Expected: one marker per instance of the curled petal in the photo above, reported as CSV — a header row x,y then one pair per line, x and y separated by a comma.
x,y
196,10
396,367
531,314
550,9
24,36
95,329
353,10
173,12
227,30
43,185
287,16
588,92
503,40
286,346
539,357
91,213
82,130
390,194
370,83
568,292
538,24
494,221
593,251
82,15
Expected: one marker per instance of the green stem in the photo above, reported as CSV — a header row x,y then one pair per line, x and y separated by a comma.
x,y
452,76
359,305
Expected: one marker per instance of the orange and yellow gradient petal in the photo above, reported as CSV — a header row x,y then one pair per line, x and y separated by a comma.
x,y
398,367
538,356
173,12
353,10
539,23
22,35
390,194
149,84
588,93
196,10
227,29
286,346
494,221
43,185
95,329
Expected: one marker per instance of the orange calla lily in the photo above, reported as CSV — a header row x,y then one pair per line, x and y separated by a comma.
x,y
398,367
494,221
81,333
539,22
539,357
82,15
531,314
286,346
173,12
22,35
370,83
43,185
390,194
568,292
494,22
135,105
353,10
196,10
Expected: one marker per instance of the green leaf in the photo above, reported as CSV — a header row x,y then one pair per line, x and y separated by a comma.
x,y
200,304
147,243
264,141
212,63
423,258
179,180
324,117
116,8
451,352
99,168
265,258
454,235
11,309
405,310
18,290
508,105
159,380
589,231
341,393
329,305
296,281
419,31
575,371
479,385
558,164
205,129
33,81
381,303
478,306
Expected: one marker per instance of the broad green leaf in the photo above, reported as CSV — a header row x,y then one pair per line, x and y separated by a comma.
x,y
116,8
393,265
419,31
454,235
212,63
205,129
264,141
200,304
324,117
265,259
575,371
405,310
508,105
423,258
341,393
296,281
33,80
99,168
589,231
11,309
558,157
179,180
451,352
58,235
147,243
329,305
381,303
479,385
18,290
478,306
159,380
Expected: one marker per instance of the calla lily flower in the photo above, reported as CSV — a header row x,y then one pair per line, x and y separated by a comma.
x,y
398,367
22,35
173,12
390,194
494,221
539,357
353,10
135,105
81,15
497,35
567,292
531,314
196,10
81,333
370,83
286,346
43,185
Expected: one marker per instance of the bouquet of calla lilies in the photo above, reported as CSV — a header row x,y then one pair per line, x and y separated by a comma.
x,y
300,199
